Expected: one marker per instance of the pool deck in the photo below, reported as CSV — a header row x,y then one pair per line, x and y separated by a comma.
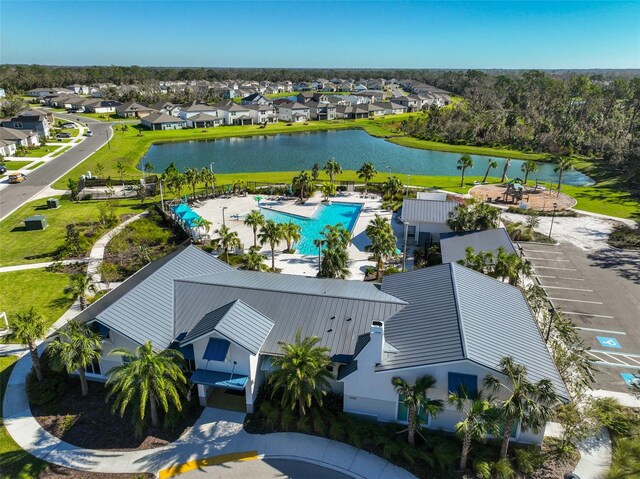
x,y
238,207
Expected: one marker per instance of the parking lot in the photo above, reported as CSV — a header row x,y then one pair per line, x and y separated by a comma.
x,y
600,292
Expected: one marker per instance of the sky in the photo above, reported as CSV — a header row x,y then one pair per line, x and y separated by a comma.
x,y
323,34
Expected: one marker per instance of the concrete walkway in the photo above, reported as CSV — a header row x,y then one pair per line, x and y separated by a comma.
x,y
216,432
21,267
595,456
97,252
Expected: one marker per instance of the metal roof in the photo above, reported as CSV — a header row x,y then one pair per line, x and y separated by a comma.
x,y
145,313
454,245
238,322
426,211
337,311
456,313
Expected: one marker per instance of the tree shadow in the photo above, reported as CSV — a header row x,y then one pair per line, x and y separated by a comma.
x,y
626,264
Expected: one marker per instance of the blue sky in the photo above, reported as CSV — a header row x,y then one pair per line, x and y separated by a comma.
x,y
342,34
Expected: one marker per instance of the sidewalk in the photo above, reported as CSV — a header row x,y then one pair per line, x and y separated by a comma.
x,y
216,432
21,267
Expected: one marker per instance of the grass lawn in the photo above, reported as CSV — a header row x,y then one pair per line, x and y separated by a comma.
x,y
14,462
21,247
39,288
34,166
39,152
16,164
103,116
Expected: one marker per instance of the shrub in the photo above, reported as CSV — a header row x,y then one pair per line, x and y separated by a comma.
x,y
109,272
503,469
336,429
624,236
482,468
54,385
528,459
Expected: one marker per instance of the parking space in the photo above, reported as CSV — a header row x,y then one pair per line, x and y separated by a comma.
x,y
600,292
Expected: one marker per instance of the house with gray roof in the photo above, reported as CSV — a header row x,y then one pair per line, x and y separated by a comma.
x,y
454,245
447,321
162,121
426,217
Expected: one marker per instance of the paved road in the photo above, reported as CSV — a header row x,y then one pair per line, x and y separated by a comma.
x,y
600,292
14,196
264,469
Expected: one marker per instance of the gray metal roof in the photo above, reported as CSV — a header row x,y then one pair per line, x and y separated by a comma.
x,y
145,313
454,245
238,322
337,311
426,211
455,313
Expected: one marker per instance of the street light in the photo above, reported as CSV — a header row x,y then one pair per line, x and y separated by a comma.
x,y
553,216
223,222
211,166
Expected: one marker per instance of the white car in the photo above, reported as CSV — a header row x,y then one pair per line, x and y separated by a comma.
x,y
89,133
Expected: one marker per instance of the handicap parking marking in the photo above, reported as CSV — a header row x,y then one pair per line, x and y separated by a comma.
x,y
608,342
622,360
628,378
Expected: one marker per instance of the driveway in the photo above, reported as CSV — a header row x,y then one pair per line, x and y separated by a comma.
x,y
599,290
264,469
14,196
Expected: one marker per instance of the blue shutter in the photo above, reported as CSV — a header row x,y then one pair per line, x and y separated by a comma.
x,y
467,382
403,412
216,350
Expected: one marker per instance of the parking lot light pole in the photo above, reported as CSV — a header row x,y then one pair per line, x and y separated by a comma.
x,y
553,216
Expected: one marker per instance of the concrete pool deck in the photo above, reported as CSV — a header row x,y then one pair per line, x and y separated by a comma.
x,y
306,265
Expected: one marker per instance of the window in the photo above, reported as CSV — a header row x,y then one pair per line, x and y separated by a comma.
x,y
459,382
94,368
403,412
17,124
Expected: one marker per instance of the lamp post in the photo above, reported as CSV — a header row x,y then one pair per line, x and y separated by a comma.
x,y
161,195
553,216
223,222
404,248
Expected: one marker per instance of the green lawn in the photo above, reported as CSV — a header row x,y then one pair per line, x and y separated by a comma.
x,y
22,247
16,164
39,288
34,166
103,117
39,152
14,462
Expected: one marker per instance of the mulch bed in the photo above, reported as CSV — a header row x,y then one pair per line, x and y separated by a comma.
x,y
58,472
88,422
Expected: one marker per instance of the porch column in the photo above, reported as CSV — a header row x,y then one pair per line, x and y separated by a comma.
x,y
202,395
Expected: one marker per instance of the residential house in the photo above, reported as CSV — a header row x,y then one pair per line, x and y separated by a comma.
x,y
262,114
7,148
203,120
19,137
45,92
162,121
37,123
305,96
133,110
391,108
234,114
447,321
351,112
454,245
79,89
360,87
293,112
321,110
256,99
195,108
48,114
425,220
101,106
166,107
410,103
302,86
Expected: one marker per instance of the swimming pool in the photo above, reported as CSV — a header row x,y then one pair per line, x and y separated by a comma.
x,y
331,214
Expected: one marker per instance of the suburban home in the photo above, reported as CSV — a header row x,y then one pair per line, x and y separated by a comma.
x,y
195,108
426,219
446,320
305,96
293,112
166,107
19,137
351,112
321,111
391,108
454,245
48,114
101,106
79,89
133,110
162,121
262,113
7,148
256,99
203,120
44,92
37,123
412,104
234,114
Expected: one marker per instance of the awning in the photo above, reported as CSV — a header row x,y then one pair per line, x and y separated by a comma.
x,y
187,351
219,379
216,349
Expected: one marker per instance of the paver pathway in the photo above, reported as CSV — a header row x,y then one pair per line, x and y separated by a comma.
x,y
216,432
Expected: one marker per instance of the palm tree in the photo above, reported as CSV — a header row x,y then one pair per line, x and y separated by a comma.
x,y
315,172
79,284
149,378
383,241
562,164
480,419
528,167
328,189
332,168
301,374
492,164
255,219
148,167
291,233
505,169
252,261
74,349
511,267
303,183
27,327
464,162
208,178
392,187
271,233
367,172
414,397
335,261
526,402
176,181
192,176
227,240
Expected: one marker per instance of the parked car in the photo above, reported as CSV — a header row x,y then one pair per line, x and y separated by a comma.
x,y
68,125
89,133
63,135
3,169
17,178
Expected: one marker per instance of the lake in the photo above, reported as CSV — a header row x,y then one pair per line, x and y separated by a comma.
x,y
350,148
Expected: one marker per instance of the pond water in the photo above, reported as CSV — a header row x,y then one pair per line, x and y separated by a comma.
x,y
350,148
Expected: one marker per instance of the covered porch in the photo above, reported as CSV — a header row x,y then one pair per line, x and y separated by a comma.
x,y
221,390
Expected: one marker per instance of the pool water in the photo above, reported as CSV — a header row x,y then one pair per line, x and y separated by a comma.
x,y
331,214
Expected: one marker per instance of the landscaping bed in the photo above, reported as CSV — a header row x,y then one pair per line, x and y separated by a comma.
x,y
59,472
88,422
625,237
